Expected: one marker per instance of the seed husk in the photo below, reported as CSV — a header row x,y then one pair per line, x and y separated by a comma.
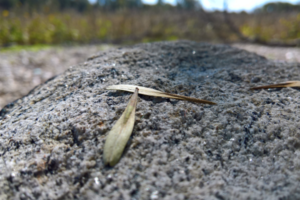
x,y
119,135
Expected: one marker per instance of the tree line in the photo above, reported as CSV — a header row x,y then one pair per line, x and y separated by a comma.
x,y
275,7
84,5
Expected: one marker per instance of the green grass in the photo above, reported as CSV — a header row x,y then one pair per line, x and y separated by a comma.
x,y
42,30
34,48
109,27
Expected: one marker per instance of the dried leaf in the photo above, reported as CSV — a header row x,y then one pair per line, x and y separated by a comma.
x,y
279,85
157,93
120,133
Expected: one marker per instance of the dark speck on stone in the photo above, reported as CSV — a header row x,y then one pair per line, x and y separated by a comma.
x,y
246,147
255,80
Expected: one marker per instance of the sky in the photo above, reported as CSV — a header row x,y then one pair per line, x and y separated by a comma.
x,y
232,5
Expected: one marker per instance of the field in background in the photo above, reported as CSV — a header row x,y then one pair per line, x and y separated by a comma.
x,y
132,26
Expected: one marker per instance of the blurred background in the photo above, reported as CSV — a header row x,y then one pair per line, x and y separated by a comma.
x,y
31,22
41,38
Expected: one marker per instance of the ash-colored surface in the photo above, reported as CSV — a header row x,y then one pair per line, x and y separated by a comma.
x,y
22,71
246,147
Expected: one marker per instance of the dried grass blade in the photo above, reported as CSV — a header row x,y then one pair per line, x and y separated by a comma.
x,y
279,85
157,93
120,133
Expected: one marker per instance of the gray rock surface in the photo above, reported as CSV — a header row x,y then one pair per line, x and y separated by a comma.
x,y
246,147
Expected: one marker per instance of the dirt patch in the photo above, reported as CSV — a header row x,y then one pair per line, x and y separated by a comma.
x,y
282,54
21,71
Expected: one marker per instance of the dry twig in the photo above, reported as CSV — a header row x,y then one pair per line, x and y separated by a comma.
x,y
157,93
279,85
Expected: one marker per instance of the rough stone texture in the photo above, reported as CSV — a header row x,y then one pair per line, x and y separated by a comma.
x,y
246,147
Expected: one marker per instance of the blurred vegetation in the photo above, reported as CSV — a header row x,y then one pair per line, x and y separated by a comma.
x,y
276,7
28,22
32,48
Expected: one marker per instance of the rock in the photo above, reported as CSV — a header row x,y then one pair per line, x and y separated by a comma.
x,y
246,147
